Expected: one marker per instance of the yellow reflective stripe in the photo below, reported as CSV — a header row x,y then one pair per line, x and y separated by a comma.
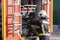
x,y
43,34
34,29
43,29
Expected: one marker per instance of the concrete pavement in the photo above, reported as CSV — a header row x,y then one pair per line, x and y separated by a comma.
x,y
55,38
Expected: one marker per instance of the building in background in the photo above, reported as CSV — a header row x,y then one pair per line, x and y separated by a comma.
x,y
56,17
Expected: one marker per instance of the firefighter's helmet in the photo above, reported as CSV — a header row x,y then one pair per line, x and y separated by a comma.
x,y
42,13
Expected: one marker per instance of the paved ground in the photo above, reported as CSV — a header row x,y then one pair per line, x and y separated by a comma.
x,y
55,38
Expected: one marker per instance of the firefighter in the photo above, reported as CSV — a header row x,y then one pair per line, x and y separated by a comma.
x,y
42,23
42,30
44,26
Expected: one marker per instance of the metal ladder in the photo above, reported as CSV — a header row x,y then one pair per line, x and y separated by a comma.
x,y
14,20
17,22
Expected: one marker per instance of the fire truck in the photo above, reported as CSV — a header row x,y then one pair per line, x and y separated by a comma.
x,y
16,18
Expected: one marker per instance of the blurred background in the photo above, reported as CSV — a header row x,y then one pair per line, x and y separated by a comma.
x,y
56,17
56,20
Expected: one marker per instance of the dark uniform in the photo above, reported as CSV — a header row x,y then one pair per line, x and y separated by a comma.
x,y
42,29
36,27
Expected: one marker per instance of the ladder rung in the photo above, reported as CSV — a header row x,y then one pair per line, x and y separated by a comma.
x,y
10,28
31,5
17,24
26,11
16,4
17,14
30,8
45,3
10,16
